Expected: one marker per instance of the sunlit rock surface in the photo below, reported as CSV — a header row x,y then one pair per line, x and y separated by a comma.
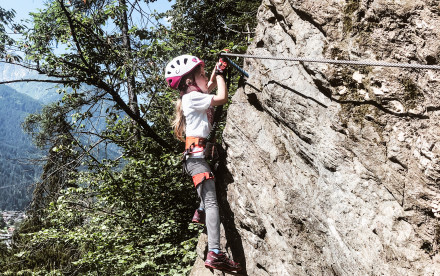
x,y
334,170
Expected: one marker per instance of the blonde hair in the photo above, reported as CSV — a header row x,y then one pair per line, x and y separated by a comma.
x,y
179,124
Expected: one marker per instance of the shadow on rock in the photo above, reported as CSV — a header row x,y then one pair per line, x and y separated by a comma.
x,y
233,238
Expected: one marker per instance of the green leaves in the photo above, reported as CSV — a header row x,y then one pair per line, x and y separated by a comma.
x,y
213,24
101,214
7,25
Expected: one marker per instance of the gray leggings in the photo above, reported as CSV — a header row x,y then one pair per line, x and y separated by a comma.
x,y
208,197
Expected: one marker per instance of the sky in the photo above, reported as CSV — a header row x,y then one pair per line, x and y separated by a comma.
x,y
24,7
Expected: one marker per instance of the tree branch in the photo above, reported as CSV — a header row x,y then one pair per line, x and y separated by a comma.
x,y
74,36
225,26
36,80
145,126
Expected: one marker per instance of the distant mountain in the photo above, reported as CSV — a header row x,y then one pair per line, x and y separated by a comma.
x,y
15,149
43,92
17,100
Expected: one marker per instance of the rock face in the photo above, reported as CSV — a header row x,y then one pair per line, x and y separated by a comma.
x,y
335,170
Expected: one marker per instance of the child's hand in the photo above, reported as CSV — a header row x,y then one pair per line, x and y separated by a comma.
x,y
220,67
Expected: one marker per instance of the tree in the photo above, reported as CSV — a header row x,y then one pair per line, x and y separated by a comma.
x,y
70,206
2,221
210,25
51,131
6,42
92,213
108,60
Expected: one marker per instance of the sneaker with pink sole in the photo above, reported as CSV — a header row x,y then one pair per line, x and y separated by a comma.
x,y
199,216
221,262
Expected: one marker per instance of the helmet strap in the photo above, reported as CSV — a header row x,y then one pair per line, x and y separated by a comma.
x,y
193,87
189,89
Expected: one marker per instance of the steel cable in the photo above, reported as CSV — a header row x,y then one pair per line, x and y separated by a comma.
x,y
343,62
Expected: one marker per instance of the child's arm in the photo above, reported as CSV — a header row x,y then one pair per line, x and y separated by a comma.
x,y
212,84
222,91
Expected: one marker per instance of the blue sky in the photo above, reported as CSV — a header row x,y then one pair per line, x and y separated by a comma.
x,y
24,7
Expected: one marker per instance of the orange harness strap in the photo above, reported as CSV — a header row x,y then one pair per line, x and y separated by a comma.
x,y
195,141
200,177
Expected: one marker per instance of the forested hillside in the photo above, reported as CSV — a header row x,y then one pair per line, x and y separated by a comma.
x,y
41,91
16,149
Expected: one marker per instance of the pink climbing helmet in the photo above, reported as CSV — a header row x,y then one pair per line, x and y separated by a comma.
x,y
180,66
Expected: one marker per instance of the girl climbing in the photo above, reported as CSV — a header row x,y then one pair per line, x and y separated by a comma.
x,y
194,116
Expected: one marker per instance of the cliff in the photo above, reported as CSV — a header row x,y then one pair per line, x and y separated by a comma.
x,y
334,170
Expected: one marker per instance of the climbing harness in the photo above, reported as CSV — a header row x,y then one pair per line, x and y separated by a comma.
x,y
192,142
200,177
331,61
207,145
209,152
204,145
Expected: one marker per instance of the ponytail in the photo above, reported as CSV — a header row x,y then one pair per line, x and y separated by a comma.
x,y
179,121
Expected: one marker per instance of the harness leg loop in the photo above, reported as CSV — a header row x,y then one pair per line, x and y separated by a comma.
x,y
200,177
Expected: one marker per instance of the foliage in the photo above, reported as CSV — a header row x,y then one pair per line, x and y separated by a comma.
x,y
2,221
52,131
7,25
213,25
115,224
93,214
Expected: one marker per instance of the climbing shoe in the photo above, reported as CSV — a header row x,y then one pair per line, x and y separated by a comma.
x,y
221,262
199,216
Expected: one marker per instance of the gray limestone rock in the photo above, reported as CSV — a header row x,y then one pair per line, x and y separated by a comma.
x,y
335,170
